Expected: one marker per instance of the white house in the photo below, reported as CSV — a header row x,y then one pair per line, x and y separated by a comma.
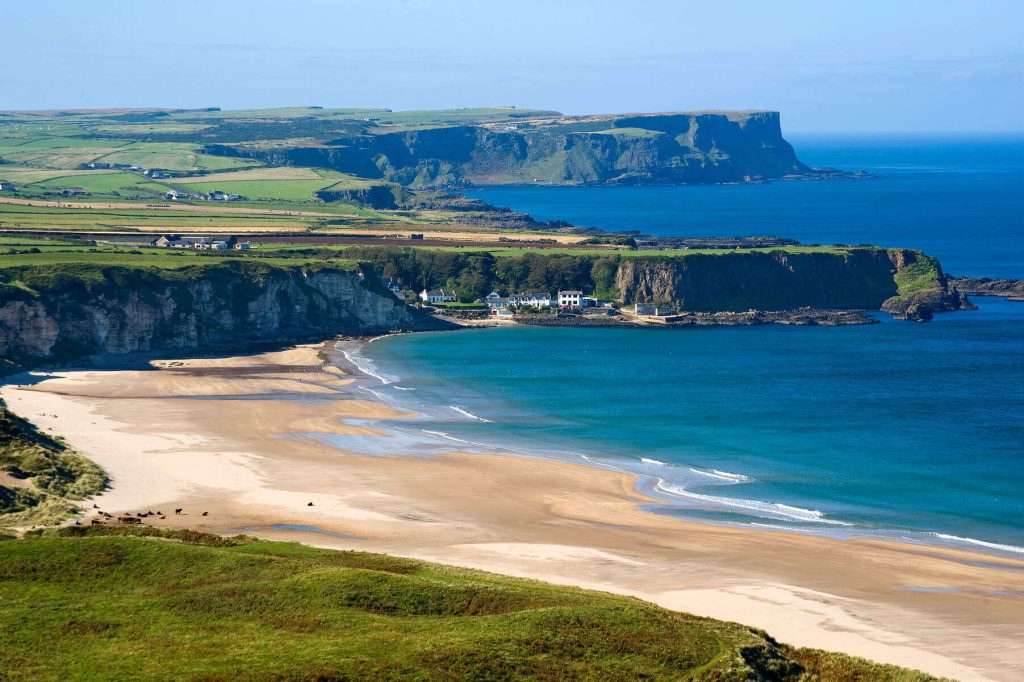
x,y
437,296
573,299
393,286
530,300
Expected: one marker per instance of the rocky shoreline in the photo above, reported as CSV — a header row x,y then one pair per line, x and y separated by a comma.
x,y
804,317
1011,289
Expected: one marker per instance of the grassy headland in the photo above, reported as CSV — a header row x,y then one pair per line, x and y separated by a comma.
x,y
191,606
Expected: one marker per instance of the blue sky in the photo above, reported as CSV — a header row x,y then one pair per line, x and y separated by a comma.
x,y
864,66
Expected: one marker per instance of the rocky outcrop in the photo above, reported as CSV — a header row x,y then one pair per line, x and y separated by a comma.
x,y
383,196
64,313
903,282
636,149
923,289
1012,289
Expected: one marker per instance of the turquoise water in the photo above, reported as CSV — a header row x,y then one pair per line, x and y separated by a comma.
x,y
959,199
897,429
887,426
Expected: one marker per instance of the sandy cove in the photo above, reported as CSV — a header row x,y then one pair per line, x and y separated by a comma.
x,y
228,436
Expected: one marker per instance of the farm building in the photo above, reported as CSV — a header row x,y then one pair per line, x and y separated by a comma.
x,y
6,186
74,192
173,241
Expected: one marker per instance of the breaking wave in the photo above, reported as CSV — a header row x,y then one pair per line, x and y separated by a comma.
x,y
771,510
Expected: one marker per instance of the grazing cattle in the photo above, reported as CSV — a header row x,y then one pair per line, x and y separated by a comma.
x,y
129,520
97,522
177,511
310,504
206,513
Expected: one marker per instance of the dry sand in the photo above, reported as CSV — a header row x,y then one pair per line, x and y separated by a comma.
x,y
227,436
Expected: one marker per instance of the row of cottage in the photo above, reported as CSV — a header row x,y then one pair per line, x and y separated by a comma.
x,y
495,301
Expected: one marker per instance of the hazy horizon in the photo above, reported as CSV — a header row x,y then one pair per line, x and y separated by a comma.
x,y
935,67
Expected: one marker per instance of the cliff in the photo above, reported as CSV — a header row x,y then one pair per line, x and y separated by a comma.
x,y
904,282
633,149
60,313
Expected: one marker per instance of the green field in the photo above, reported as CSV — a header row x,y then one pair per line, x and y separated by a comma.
x,y
197,607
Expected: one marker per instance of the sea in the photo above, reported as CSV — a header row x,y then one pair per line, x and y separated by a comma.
x,y
899,430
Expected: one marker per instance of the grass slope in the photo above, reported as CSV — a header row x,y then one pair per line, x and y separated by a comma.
x,y
39,475
199,607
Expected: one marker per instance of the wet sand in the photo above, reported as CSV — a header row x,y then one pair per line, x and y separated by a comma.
x,y
229,436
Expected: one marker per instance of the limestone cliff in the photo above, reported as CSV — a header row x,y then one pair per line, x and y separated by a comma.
x,y
66,312
678,148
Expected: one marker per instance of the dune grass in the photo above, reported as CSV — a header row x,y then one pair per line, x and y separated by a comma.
x,y
48,473
189,606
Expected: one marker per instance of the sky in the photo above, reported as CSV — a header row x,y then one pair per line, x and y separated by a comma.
x,y
828,66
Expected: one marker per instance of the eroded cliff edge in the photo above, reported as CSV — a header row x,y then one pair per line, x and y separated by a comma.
x,y
64,312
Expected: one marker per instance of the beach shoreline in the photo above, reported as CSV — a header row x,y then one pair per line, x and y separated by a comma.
x,y
241,438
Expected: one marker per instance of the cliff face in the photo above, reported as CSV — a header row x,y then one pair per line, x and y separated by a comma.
x,y
870,278
641,149
77,312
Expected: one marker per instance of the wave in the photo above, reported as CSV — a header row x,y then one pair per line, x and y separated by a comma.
x,y
367,367
442,434
981,543
722,475
402,388
466,413
774,510
647,460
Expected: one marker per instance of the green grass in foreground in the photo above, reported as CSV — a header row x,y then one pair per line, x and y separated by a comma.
x,y
200,607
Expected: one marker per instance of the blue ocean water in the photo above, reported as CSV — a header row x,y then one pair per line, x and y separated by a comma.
x,y
897,428
957,198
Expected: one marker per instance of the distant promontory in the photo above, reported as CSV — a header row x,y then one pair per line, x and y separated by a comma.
x,y
549,148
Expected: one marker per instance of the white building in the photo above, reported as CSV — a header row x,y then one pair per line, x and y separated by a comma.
x,y
573,299
393,286
530,300
653,310
437,296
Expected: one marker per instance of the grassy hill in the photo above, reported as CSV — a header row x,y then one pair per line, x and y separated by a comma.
x,y
91,605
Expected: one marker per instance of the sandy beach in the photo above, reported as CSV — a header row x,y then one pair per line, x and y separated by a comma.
x,y
231,437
